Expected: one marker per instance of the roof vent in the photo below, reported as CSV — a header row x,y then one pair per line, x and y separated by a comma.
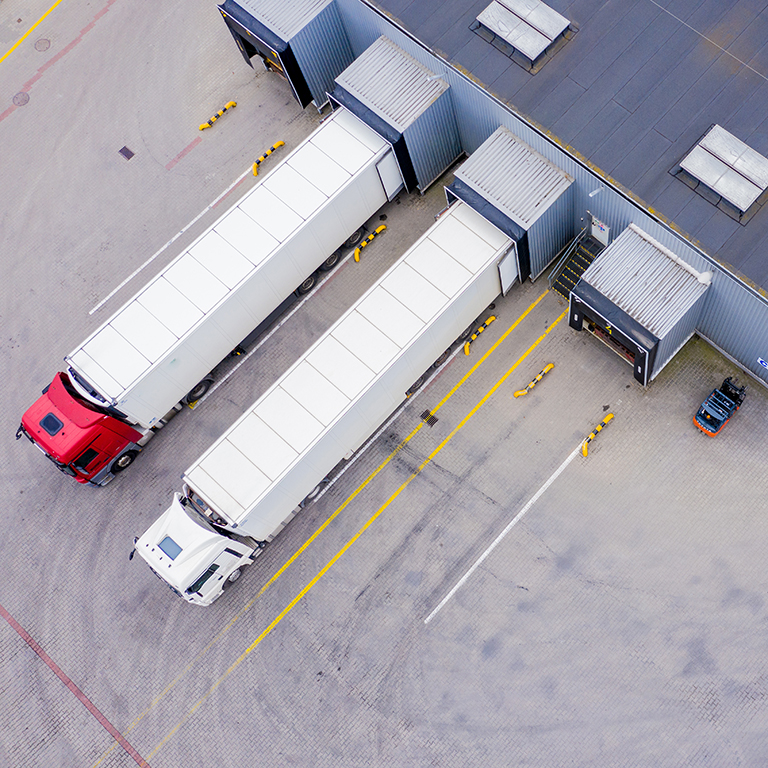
x,y
728,173
527,31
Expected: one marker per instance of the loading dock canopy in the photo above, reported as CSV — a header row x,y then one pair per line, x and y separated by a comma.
x,y
407,104
641,293
511,185
285,19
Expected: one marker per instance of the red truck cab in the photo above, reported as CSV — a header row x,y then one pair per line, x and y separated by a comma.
x,y
79,439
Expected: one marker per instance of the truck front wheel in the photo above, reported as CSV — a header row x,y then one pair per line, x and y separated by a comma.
x,y
124,461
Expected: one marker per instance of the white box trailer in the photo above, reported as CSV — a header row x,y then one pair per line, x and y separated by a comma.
x,y
159,349
149,355
248,485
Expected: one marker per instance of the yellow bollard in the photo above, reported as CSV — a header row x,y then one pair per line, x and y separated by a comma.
x,y
599,428
368,239
263,157
547,368
229,105
477,333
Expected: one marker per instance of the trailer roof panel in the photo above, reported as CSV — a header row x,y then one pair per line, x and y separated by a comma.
x,y
346,147
481,227
432,262
295,191
392,83
340,366
237,473
114,353
391,315
210,489
366,342
411,289
319,169
294,423
143,331
202,288
354,126
285,19
277,218
221,259
265,448
174,310
314,392
457,238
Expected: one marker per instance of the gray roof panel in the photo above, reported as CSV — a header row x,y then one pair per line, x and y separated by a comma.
x,y
392,83
514,177
284,18
645,279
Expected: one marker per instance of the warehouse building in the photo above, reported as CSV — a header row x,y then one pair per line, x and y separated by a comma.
x,y
656,123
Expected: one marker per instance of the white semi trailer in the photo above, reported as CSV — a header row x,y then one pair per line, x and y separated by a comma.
x,y
156,352
244,489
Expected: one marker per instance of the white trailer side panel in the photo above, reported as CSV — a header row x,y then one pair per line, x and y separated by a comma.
x,y
347,383
170,335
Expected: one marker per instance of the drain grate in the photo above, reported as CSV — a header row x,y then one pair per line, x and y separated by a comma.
x,y
126,153
429,418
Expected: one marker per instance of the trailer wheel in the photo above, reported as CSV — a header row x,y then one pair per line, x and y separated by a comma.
x,y
440,360
466,333
354,238
307,285
331,261
124,461
198,391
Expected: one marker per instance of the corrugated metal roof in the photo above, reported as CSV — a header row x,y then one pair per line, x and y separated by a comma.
x,y
514,177
392,83
284,18
649,282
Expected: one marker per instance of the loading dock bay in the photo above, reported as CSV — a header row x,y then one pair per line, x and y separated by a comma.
x,y
621,619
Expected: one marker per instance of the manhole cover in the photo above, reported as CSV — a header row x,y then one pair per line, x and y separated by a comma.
x,y
21,98
42,44
126,153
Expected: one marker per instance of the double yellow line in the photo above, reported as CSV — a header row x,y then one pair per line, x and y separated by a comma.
x,y
330,519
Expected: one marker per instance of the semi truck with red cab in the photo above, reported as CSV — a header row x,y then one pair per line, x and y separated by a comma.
x,y
158,351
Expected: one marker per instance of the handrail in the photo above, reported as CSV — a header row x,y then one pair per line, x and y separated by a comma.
x,y
569,250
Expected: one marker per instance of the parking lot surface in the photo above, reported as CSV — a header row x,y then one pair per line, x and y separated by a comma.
x,y
476,592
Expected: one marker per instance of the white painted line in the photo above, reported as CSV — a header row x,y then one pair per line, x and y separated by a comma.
x,y
509,527
171,241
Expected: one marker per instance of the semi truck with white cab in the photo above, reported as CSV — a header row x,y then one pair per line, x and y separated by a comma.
x,y
158,351
252,481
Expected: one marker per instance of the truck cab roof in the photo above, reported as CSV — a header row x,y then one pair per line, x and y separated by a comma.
x,y
60,422
177,543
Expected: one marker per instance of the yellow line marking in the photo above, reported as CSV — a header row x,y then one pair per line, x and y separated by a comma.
x,y
28,32
354,538
322,527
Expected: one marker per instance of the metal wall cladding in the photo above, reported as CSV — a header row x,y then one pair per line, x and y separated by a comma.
x,y
553,230
284,18
322,50
683,329
433,141
734,316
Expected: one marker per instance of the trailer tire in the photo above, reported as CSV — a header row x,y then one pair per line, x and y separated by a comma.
x,y
331,261
307,285
440,360
198,390
354,238
124,461
466,333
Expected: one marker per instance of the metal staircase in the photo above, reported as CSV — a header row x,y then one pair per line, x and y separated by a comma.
x,y
577,257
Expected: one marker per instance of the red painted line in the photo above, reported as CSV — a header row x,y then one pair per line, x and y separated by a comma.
x,y
218,202
84,700
183,152
63,52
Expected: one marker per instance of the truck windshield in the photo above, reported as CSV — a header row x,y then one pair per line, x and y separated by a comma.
x,y
194,514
